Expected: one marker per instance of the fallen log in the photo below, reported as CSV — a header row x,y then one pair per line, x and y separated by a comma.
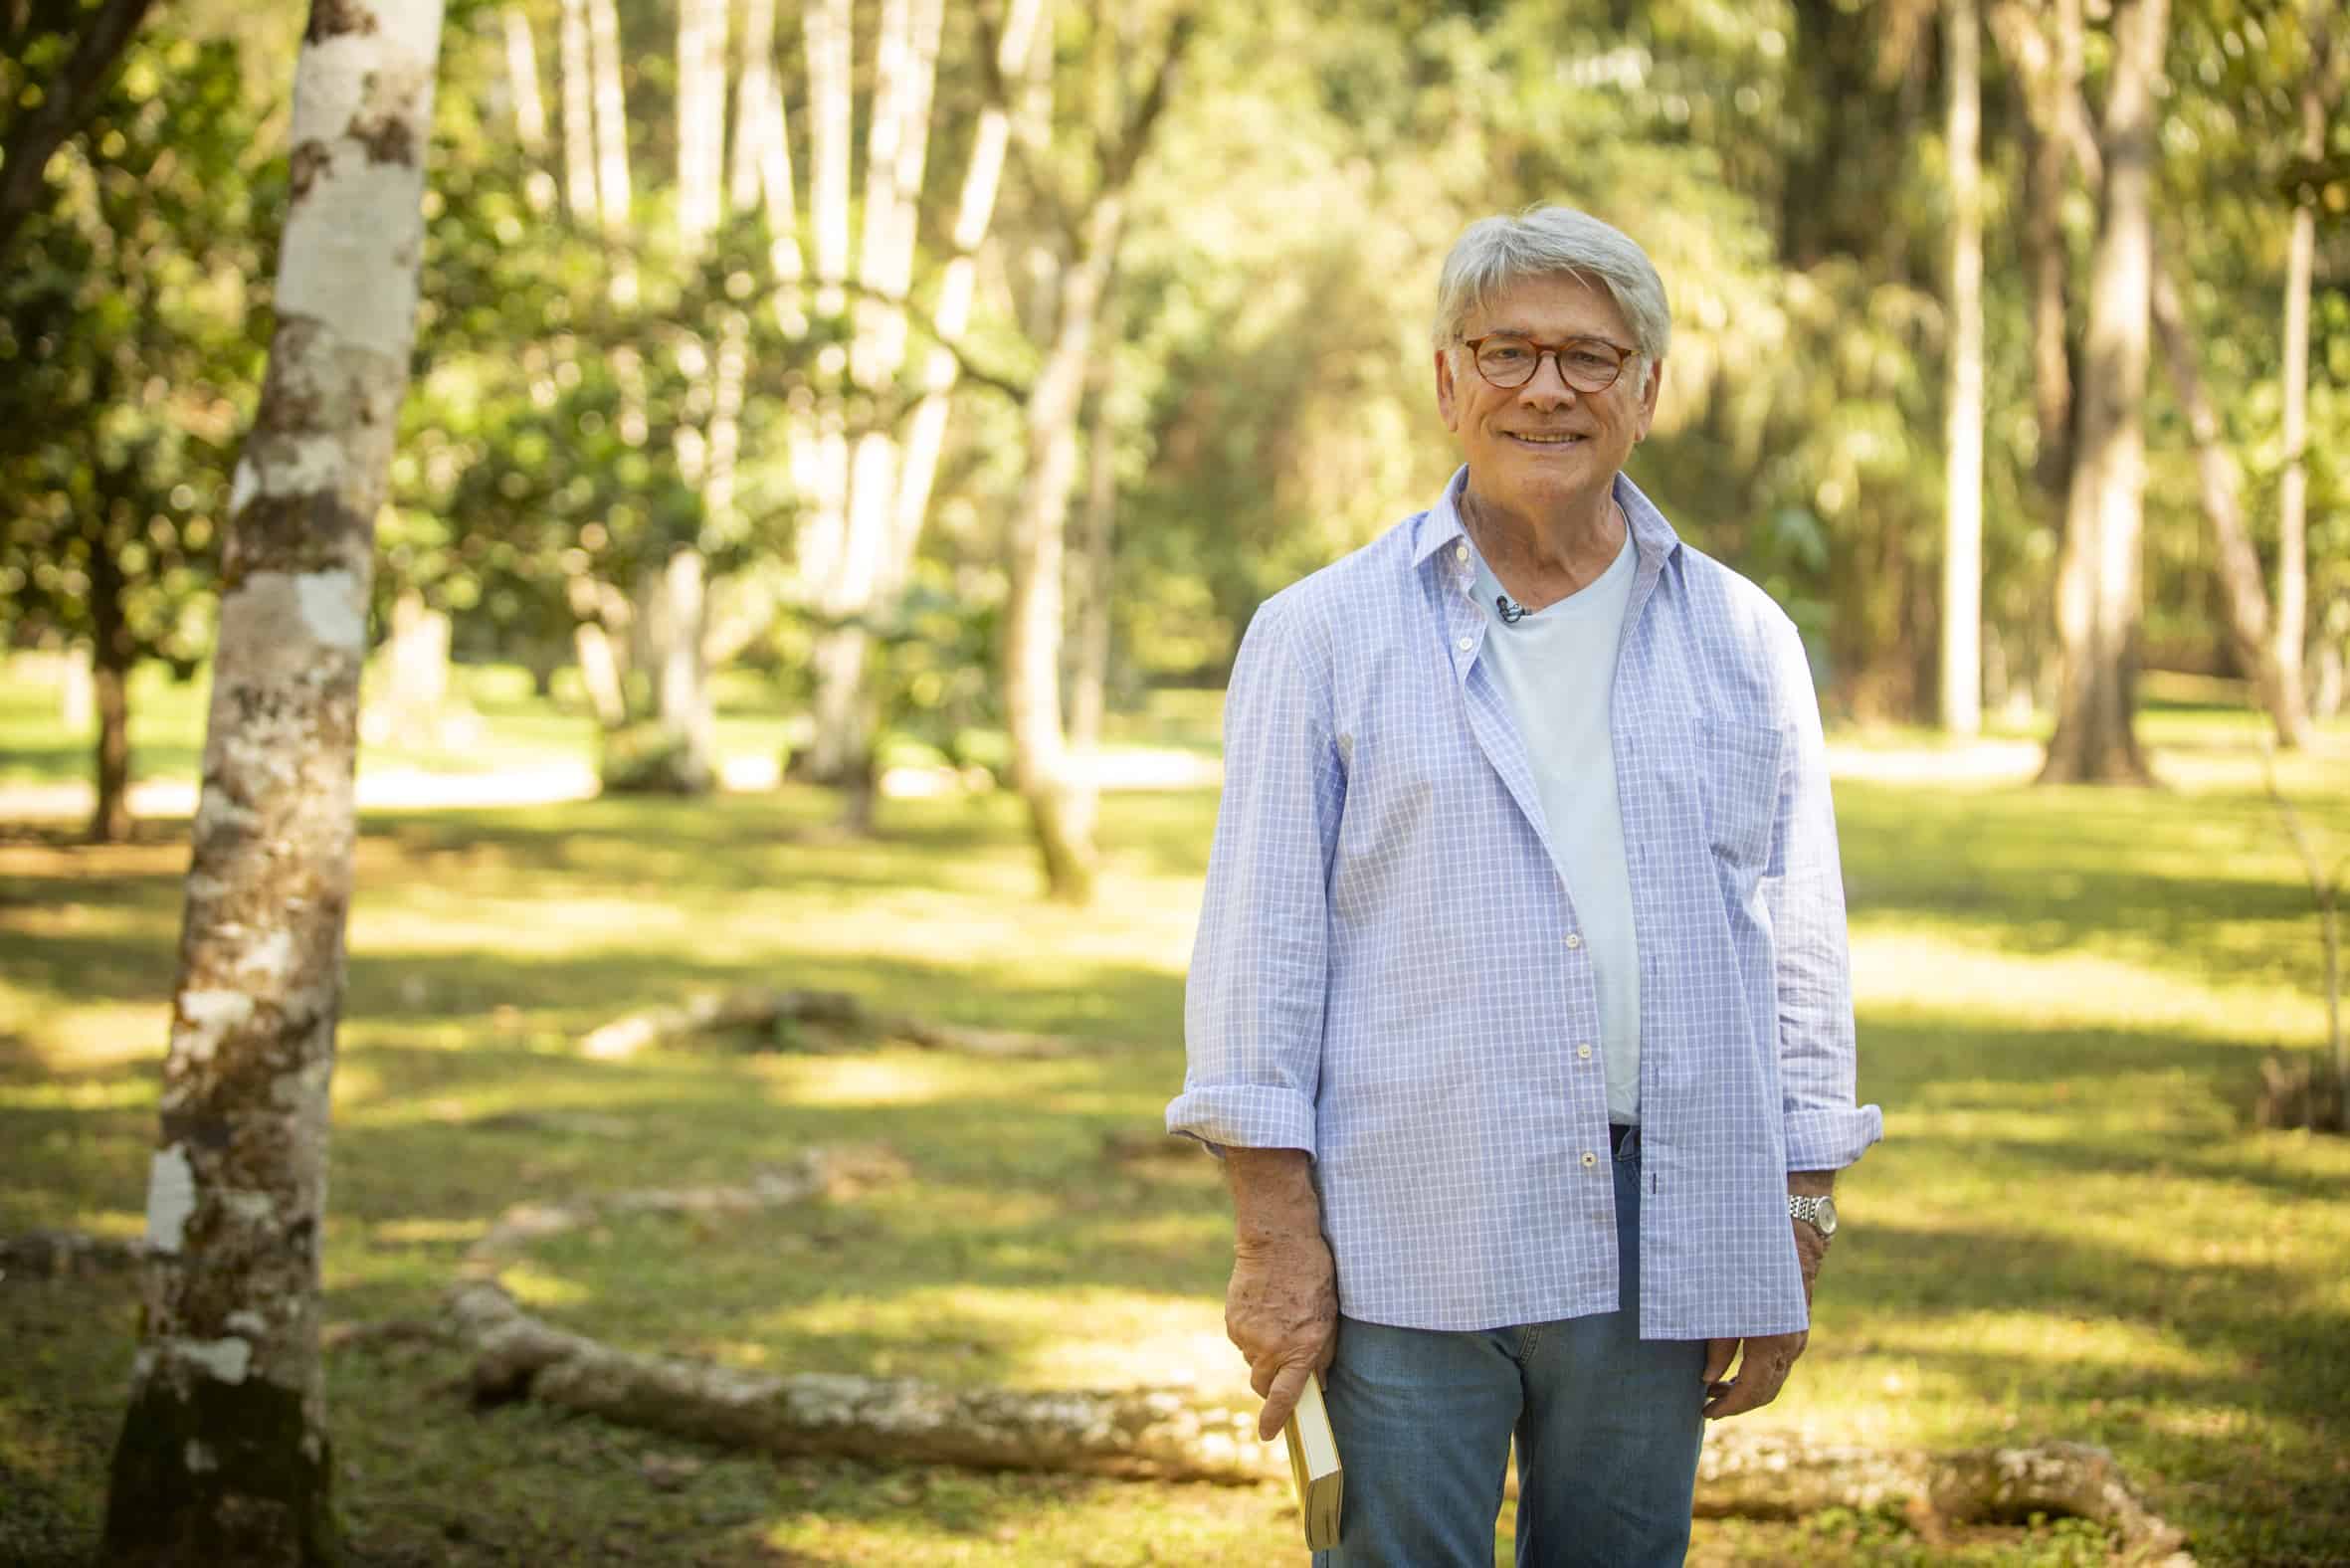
x,y
1154,1434
763,1010
1139,1436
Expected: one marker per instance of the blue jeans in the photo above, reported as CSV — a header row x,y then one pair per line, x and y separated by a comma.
x,y
1608,1429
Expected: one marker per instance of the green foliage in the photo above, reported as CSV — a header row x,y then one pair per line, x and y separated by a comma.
x,y
131,344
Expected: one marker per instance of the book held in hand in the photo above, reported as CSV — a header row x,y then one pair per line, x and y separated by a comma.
x,y
1314,1467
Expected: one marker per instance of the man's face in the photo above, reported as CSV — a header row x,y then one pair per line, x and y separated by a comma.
x,y
1534,448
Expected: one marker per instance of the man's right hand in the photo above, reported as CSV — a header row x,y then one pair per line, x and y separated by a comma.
x,y
1282,1309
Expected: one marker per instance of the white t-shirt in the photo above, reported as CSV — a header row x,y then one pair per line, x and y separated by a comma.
x,y
1556,668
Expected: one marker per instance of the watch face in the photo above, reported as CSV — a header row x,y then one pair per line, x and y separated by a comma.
x,y
1824,1215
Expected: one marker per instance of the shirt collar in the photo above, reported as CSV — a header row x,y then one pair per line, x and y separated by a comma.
x,y
1651,536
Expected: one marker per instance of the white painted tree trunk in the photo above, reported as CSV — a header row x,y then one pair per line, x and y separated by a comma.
x,y
754,101
1962,543
224,1455
2099,585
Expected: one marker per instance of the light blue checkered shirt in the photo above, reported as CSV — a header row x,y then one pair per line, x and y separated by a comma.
x,y
1389,975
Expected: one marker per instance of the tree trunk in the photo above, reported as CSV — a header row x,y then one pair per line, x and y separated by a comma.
x,y
521,56
1060,805
2051,84
579,118
2097,596
76,701
224,1454
1090,671
1962,545
112,657
701,118
2292,522
416,671
2244,599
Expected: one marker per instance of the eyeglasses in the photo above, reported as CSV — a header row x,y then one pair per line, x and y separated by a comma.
x,y
1587,364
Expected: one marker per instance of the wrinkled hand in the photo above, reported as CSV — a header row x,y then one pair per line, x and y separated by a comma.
x,y
1766,1360
1282,1311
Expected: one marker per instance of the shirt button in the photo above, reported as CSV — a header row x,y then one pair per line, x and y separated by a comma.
x,y
1574,939
1583,1052
1589,1159
1464,645
1460,552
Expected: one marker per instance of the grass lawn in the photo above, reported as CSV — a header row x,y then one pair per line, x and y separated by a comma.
x,y
2070,1231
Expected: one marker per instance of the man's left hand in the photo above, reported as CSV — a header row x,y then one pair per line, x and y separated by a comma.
x,y
1766,1361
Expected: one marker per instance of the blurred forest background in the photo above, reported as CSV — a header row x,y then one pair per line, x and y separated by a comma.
x,y
846,443
721,367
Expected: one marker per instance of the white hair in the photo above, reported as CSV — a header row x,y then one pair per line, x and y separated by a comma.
x,y
1497,253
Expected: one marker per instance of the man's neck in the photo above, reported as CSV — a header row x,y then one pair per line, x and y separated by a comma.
x,y
1541,558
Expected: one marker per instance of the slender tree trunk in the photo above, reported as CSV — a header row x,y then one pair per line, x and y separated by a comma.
x,y
1089,673
1061,804
415,689
1962,548
579,118
2244,598
2099,584
223,1456
522,54
702,118
2292,523
112,657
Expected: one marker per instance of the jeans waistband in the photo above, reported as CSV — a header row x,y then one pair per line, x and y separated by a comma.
x,y
1622,1136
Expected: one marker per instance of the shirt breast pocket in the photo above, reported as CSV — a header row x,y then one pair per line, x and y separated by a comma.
x,y
1738,785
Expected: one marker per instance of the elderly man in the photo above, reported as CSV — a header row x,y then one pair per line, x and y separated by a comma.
x,y
1520,1011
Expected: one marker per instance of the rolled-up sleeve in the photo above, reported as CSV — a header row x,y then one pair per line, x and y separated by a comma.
x,y
1818,1052
1258,984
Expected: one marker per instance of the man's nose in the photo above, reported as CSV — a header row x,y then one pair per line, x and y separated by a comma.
x,y
1547,387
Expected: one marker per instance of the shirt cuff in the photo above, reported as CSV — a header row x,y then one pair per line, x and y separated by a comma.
x,y
1243,1116
1830,1138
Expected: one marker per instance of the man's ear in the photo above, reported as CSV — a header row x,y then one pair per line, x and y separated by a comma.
x,y
1648,402
1446,403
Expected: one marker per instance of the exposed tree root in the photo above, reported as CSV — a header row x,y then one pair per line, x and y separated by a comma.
x,y
759,1009
1157,1435
1766,1475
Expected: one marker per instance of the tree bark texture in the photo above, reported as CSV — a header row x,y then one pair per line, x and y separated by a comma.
x,y
223,1456
1962,542
2099,585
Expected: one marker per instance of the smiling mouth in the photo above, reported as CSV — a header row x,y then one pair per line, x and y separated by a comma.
x,y
1560,438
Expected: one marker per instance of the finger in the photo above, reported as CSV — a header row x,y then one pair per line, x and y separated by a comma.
x,y
1286,1389
1758,1382
1718,1353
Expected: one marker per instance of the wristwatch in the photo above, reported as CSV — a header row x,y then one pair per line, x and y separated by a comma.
x,y
1817,1213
